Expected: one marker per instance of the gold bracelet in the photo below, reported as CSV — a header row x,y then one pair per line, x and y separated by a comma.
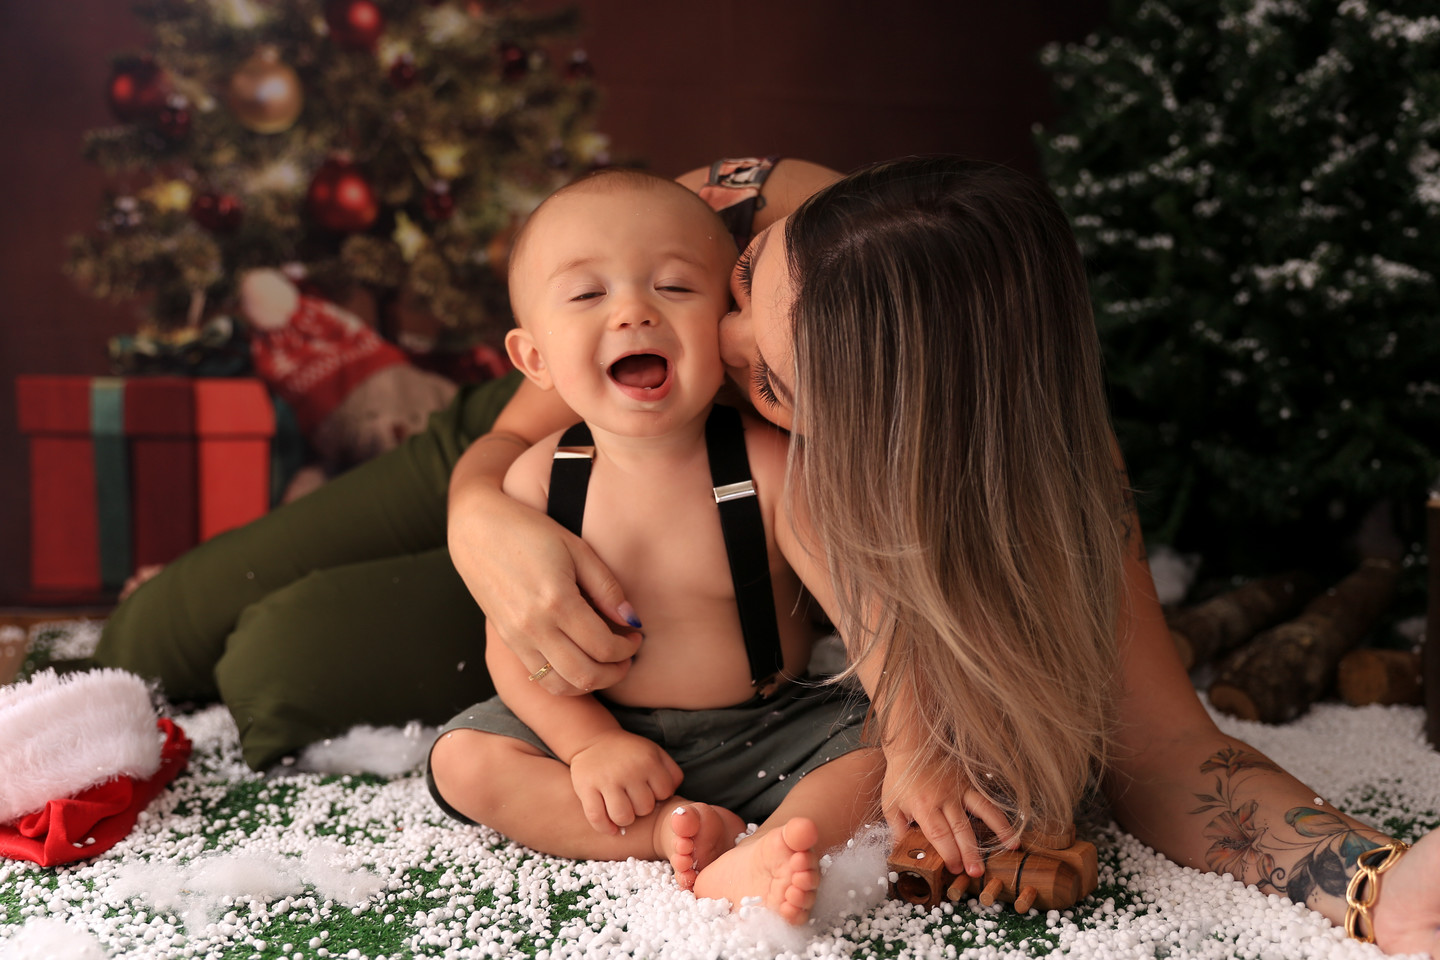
x,y
1364,889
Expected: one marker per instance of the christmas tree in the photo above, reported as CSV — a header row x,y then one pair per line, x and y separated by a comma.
x,y
385,145
1256,187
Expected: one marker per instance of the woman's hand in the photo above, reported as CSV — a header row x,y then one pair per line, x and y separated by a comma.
x,y
621,776
941,806
532,577
529,574
1407,913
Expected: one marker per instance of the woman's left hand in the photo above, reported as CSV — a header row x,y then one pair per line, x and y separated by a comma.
x,y
941,806
1407,912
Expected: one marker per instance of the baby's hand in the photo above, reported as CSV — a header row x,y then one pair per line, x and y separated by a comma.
x,y
620,777
941,806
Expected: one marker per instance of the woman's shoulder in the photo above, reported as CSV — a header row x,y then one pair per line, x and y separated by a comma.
x,y
767,447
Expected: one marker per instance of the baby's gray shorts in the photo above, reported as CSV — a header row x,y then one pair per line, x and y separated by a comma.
x,y
745,758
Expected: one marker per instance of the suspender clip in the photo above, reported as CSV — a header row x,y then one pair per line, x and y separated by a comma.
x,y
735,491
574,453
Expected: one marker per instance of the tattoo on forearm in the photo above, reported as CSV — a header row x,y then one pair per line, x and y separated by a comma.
x,y
1327,845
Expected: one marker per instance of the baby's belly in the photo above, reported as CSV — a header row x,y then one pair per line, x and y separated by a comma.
x,y
687,673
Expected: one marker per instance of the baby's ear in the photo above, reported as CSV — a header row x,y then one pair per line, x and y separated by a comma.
x,y
527,359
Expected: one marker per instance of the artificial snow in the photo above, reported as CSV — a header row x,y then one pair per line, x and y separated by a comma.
x,y
387,751
227,862
51,940
1173,573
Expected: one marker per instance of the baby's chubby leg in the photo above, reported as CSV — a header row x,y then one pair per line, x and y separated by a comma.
x,y
513,787
780,862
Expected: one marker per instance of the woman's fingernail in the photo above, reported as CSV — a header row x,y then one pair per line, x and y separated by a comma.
x,y
627,613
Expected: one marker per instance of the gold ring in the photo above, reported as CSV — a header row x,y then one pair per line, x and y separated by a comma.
x,y
540,674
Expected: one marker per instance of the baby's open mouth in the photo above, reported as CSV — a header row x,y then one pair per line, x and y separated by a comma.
x,y
643,371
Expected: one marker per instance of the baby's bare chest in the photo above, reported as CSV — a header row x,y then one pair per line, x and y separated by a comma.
x,y
660,538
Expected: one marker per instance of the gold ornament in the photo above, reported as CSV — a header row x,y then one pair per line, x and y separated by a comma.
x,y
588,147
408,237
447,159
168,197
265,93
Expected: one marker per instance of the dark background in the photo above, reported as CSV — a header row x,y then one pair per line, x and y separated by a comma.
x,y
834,81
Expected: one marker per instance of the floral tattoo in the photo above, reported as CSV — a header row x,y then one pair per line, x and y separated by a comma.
x,y
1241,847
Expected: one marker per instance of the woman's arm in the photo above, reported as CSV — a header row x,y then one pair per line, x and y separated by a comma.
x,y
788,185
1209,801
523,568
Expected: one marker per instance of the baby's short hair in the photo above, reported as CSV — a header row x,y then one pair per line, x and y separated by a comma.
x,y
605,179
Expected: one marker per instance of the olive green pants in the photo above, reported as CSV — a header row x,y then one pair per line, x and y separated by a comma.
x,y
338,609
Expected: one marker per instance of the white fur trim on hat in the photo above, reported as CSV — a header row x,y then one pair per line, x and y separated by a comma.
x,y
62,735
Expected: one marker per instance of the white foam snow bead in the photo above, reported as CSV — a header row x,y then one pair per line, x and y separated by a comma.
x,y
61,735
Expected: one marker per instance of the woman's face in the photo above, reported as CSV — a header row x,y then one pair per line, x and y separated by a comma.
x,y
755,337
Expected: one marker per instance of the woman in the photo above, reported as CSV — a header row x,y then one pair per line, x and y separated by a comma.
x,y
923,328
917,411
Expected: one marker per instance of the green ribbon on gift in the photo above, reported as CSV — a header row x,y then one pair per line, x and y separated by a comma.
x,y
112,478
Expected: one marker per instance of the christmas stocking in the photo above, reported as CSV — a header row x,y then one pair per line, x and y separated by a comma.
x,y
82,755
354,394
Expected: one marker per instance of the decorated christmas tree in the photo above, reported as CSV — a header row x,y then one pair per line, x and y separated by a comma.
x,y
384,146
1256,187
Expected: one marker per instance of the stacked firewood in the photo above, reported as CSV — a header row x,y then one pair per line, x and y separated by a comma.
x,y
1280,643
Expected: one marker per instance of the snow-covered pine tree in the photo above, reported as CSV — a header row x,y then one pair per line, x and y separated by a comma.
x,y
1256,187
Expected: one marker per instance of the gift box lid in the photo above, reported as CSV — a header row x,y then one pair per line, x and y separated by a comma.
x,y
233,407
144,406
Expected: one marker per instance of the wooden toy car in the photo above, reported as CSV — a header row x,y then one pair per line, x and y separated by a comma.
x,y
1050,871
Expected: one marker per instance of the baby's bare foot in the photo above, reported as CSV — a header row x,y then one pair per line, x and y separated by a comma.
x,y
693,835
781,868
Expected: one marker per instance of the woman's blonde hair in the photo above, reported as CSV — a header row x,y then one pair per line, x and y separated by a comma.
x,y
955,456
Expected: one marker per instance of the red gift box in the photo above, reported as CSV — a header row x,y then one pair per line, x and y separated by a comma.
x,y
128,472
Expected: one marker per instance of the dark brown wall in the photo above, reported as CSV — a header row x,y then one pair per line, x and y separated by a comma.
x,y
835,81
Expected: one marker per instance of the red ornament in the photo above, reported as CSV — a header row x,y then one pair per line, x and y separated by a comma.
x,y
174,120
355,24
439,201
403,73
340,198
217,212
514,63
138,89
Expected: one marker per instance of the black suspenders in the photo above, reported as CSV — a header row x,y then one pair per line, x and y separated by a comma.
x,y
740,523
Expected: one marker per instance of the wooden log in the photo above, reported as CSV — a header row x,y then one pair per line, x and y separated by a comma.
x,y
1431,649
1380,676
1276,676
1224,622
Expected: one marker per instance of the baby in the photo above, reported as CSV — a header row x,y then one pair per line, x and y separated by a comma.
x,y
618,283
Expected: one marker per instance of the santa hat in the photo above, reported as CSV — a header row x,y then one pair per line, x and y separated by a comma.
x,y
82,755
310,351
